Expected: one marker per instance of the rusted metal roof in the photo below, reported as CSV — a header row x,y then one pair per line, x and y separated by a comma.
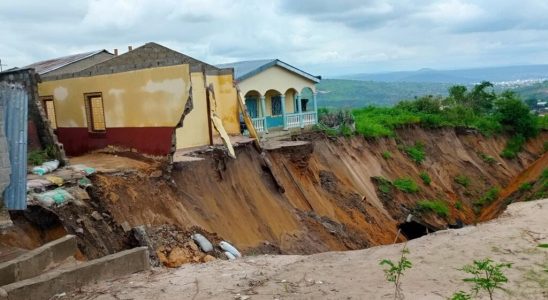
x,y
49,65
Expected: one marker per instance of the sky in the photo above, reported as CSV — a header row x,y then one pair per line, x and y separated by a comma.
x,y
328,38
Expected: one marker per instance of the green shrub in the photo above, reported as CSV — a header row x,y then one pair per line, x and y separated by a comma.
x,y
384,185
36,157
425,178
491,195
486,276
387,155
526,186
416,152
463,180
406,185
513,147
487,158
437,206
458,205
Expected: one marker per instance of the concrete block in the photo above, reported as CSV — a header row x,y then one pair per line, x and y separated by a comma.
x,y
65,280
36,261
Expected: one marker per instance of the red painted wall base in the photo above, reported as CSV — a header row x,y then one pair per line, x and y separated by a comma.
x,y
149,140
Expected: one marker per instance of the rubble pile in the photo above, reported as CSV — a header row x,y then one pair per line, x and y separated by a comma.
x,y
175,246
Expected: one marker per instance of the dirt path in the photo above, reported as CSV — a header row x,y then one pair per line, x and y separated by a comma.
x,y
514,237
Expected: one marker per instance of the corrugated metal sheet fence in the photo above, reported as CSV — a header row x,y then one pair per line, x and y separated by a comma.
x,y
14,99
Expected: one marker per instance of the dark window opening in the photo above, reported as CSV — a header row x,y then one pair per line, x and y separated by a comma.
x,y
276,105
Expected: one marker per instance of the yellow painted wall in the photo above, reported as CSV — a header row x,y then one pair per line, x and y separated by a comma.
x,y
195,130
226,102
152,97
276,78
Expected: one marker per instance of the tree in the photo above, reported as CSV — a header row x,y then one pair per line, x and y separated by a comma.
x,y
515,116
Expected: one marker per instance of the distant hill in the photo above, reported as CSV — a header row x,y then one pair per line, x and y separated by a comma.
x,y
340,93
462,76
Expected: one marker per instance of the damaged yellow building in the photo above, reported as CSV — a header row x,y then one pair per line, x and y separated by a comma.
x,y
151,99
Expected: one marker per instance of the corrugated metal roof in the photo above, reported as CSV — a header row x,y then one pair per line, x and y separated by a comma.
x,y
49,65
249,68
14,98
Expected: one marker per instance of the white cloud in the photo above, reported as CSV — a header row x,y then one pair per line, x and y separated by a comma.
x,y
323,36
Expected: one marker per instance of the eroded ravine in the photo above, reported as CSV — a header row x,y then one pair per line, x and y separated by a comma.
x,y
330,200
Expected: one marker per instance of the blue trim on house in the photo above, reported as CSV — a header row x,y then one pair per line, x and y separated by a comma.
x,y
277,121
247,69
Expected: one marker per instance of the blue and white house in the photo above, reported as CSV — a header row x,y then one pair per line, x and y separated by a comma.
x,y
277,95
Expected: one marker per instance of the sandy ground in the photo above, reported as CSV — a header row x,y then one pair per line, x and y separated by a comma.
x,y
514,237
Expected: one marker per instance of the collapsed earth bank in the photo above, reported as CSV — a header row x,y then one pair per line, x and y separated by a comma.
x,y
300,198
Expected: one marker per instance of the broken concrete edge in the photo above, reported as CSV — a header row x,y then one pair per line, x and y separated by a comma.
x,y
65,280
37,260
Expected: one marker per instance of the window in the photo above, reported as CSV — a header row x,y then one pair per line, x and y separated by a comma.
x,y
276,105
95,112
49,108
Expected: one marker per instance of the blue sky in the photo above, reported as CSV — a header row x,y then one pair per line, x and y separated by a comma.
x,y
323,37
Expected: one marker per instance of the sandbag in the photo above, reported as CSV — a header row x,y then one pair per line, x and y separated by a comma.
x,y
229,248
83,168
38,184
229,255
46,167
202,242
55,180
57,196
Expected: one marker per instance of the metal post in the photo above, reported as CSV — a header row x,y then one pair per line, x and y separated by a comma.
x,y
263,113
300,110
315,107
284,115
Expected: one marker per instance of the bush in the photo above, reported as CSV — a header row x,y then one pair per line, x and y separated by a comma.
x,y
491,195
486,276
463,180
381,121
387,155
487,158
38,157
526,187
406,185
425,178
458,205
437,206
513,147
416,152
384,185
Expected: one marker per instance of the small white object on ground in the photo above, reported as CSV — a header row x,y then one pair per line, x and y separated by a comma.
x,y
229,248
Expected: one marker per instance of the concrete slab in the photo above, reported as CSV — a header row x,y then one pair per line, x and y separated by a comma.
x,y
273,145
34,262
68,279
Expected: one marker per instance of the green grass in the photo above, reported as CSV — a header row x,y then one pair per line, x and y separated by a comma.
x,y
437,206
491,195
543,245
38,157
406,185
387,155
463,180
381,121
384,185
487,158
416,152
513,147
458,205
425,178
526,186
